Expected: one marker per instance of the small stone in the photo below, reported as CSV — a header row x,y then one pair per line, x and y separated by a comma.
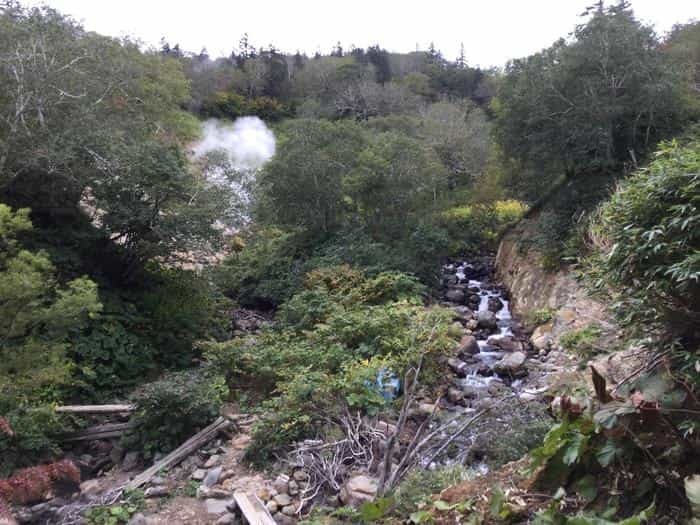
x,y
293,488
138,519
90,486
227,474
282,519
358,489
156,492
157,480
455,295
458,366
212,462
281,484
212,477
455,395
282,499
199,474
264,494
467,346
333,501
218,493
289,510
226,519
300,475
272,506
131,461
215,506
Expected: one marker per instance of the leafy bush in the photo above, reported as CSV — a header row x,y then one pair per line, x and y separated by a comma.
x,y
420,485
174,407
582,341
32,437
332,342
649,244
475,228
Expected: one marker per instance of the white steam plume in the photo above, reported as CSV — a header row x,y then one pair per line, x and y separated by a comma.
x,y
248,142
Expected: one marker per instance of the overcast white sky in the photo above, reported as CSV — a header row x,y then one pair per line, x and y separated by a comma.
x,y
492,30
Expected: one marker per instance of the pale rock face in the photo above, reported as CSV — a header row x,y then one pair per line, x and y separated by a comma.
x,y
358,489
542,336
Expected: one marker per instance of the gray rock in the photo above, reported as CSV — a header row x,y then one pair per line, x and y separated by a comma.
x,y
157,480
455,395
226,519
511,365
282,519
495,304
289,510
282,500
212,461
507,343
281,484
138,519
272,506
467,346
218,493
293,488
91,486
212,477
455,295
157,492
358,489
199,474
458,366
487,319
215,506
300,475
131,461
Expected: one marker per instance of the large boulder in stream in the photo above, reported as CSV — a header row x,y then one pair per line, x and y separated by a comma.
x,y
455,295
467,347
506,343
495,304
512,365
488,320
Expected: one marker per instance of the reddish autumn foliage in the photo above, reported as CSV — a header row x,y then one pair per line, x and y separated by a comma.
x,y
35,483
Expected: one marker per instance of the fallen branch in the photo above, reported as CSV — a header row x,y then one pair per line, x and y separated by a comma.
x,y
106,431
95,409
180,453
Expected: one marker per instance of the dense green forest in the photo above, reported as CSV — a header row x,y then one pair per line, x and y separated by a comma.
x,y
386,165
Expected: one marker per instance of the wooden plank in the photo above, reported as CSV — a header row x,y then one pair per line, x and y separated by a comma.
x,y
95,409
253,510
108,430
180,453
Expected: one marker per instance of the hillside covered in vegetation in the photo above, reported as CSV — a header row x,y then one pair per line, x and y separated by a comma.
x,y
334,295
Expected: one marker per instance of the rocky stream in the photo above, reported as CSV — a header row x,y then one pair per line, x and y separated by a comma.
x,y
495,372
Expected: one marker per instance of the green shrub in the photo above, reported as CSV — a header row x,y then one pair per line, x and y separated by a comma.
x,y
420,485
475,228
331,343
582,341
541,316
649,245
174,407
34,438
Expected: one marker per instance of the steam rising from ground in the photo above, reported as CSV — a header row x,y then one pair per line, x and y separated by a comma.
x,y
248,142
229,156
